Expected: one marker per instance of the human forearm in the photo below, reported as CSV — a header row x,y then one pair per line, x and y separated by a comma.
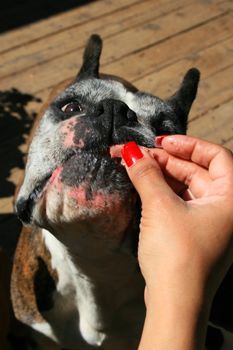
x,y
175,319
190,233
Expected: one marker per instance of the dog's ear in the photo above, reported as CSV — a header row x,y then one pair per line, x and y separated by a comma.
x,y
182,100
91,56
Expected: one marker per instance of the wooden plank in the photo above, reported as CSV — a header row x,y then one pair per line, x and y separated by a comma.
x,y
50,73
216,126
140,37
210,61
16,175
6,205
77,16
213,92
75,38
139,64
229,144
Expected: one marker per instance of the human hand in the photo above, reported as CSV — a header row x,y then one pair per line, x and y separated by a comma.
x,y
186,239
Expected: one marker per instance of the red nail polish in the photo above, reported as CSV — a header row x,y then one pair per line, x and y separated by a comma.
x,y
158,140
131,153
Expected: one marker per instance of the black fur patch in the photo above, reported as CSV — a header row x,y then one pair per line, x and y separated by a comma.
x,y
44,286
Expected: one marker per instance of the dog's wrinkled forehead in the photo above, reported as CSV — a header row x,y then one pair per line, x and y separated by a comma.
x,y
95,90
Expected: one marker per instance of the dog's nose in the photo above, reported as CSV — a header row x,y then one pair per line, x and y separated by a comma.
x,y
122,113
23,209
114,118
119,110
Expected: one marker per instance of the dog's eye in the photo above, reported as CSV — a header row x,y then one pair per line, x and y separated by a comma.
x,y
72,107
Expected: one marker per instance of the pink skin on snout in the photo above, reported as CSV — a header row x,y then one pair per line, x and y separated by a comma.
x,y
67,130
98,201
108,212
78,194
55,179
112,215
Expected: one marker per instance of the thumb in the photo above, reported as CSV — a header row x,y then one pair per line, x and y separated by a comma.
x,y
145,174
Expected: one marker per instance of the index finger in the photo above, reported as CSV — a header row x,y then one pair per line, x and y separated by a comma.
x,y
208,155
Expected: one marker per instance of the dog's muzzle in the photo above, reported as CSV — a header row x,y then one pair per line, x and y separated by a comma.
x,y
111,122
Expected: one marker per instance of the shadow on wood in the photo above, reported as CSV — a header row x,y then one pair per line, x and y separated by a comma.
x,y
15,124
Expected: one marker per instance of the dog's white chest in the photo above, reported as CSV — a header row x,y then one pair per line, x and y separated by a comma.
x,y
75,314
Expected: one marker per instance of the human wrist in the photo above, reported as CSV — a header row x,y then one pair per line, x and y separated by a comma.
x,y
171,327
176,316
190,292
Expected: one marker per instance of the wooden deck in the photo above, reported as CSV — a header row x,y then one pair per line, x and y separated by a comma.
x,y
150,43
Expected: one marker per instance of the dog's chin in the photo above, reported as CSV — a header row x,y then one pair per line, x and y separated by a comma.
x,y
89,190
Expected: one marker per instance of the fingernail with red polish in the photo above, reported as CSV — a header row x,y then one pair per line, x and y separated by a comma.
x,y
131,153
158,140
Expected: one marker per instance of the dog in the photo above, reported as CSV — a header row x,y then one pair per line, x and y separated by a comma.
x,y
76,278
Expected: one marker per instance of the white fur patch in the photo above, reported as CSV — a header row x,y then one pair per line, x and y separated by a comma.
x,y
75,288
44,328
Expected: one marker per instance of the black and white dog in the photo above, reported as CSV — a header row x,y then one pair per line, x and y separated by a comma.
x,y
76,277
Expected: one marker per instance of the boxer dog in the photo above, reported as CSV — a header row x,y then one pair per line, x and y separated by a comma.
x,y
76,278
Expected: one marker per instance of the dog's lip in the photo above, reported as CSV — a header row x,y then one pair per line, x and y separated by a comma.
x,y
41,186
113,151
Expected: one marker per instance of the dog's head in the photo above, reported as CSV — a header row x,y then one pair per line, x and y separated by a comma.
x,y
73,173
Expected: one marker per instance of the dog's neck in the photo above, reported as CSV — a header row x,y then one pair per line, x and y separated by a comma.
x,y
97,257
103,277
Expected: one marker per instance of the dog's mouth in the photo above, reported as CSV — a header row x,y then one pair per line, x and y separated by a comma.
x,y
112,152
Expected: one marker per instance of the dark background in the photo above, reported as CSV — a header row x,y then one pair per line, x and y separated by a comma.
x,y
15,13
